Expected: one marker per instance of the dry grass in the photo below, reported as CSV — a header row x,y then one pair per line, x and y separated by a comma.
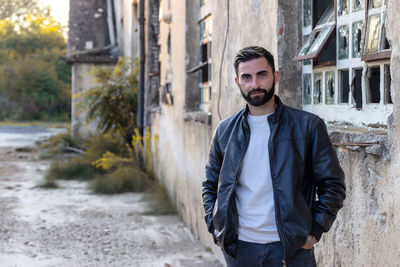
x,y
124,179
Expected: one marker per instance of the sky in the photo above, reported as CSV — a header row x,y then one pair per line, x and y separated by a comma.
x,y
59,10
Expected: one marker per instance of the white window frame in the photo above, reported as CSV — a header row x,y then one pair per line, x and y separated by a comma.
x,y
371,113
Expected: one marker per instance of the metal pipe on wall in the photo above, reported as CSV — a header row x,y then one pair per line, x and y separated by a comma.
x,y
140,115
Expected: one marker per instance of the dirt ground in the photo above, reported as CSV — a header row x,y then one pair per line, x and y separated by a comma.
x,y
70,226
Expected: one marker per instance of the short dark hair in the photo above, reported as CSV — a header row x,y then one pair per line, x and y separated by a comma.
x,y
253,52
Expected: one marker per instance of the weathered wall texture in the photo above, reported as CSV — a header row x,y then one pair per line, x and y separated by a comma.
x,y
249,24
367,231
184,139
82,81
182,144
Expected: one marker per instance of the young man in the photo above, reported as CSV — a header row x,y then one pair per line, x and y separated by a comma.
x,y
267,163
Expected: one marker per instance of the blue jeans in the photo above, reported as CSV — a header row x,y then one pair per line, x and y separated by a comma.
x,y
271,255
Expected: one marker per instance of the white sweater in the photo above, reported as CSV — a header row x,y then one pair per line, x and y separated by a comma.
x,y
254,192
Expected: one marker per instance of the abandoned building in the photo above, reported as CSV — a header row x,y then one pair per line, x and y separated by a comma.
x,y
336,58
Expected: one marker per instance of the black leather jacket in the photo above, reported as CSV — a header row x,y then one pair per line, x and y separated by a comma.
x,y
303,164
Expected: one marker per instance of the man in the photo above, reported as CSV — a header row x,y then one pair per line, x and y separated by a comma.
x,y
267,163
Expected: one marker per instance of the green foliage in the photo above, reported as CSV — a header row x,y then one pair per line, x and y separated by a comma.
x,y
113,103
35,81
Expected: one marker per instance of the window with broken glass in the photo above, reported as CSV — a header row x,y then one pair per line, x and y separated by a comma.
x,y
346,58
203,69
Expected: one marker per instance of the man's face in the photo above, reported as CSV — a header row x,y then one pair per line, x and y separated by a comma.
x,y
256,81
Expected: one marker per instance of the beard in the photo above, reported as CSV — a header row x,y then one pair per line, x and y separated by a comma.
x,y
259,100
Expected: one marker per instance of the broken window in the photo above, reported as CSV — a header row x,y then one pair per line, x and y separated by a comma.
x,y
356,87
307,88
375,3
388,82
357,31
317,88
373,84
319,38
343,7
337,51
372,37
376,45
358,5
330,87
343,33
203,2
344,87
205,75
307,13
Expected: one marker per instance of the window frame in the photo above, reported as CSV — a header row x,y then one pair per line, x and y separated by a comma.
x,y
358,111
380,54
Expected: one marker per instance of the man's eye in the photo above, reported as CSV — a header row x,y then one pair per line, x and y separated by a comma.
x,y
262,75
246,78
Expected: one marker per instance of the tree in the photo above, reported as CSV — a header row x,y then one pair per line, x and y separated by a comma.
x,y
34,77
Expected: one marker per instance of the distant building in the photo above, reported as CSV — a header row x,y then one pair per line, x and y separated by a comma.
x,y
337,59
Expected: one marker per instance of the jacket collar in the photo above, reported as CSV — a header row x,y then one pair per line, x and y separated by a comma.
x,y
276,116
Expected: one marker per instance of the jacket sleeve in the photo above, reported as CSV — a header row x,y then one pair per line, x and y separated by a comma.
x,y
329,180
210,183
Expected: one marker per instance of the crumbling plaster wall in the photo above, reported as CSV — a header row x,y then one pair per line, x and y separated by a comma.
x,y
183,144
367,230
82,81
253,23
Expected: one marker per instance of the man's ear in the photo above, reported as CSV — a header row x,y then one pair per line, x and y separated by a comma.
x,y
277,75
237,81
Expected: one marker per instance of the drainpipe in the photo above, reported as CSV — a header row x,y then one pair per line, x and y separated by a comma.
x,y
140,114
110,22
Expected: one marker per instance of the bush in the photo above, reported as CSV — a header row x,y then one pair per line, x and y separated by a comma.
x,y
124,179
74,169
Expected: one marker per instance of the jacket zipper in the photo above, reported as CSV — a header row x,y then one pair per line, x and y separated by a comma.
x,y
277,211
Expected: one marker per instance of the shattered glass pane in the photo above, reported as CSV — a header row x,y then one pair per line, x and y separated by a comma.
x,y
330,87
343,7
388,81
203,2
307,13
372,36
358,5
374,78
343,48
307,44
205,28
375,3
320,39
317,88
307,88
357,31
344,86
328,16
308,61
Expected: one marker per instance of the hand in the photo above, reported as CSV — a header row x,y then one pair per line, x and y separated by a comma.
x,y
307,244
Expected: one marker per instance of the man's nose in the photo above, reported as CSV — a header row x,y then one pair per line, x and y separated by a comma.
x,y
254,83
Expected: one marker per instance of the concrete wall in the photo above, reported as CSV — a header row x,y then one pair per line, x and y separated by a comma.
x,y
253,23
366,232
82,81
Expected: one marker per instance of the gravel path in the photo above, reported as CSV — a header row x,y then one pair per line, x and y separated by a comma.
x,y
70,226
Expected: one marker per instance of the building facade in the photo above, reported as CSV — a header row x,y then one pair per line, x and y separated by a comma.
x,y
337,59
